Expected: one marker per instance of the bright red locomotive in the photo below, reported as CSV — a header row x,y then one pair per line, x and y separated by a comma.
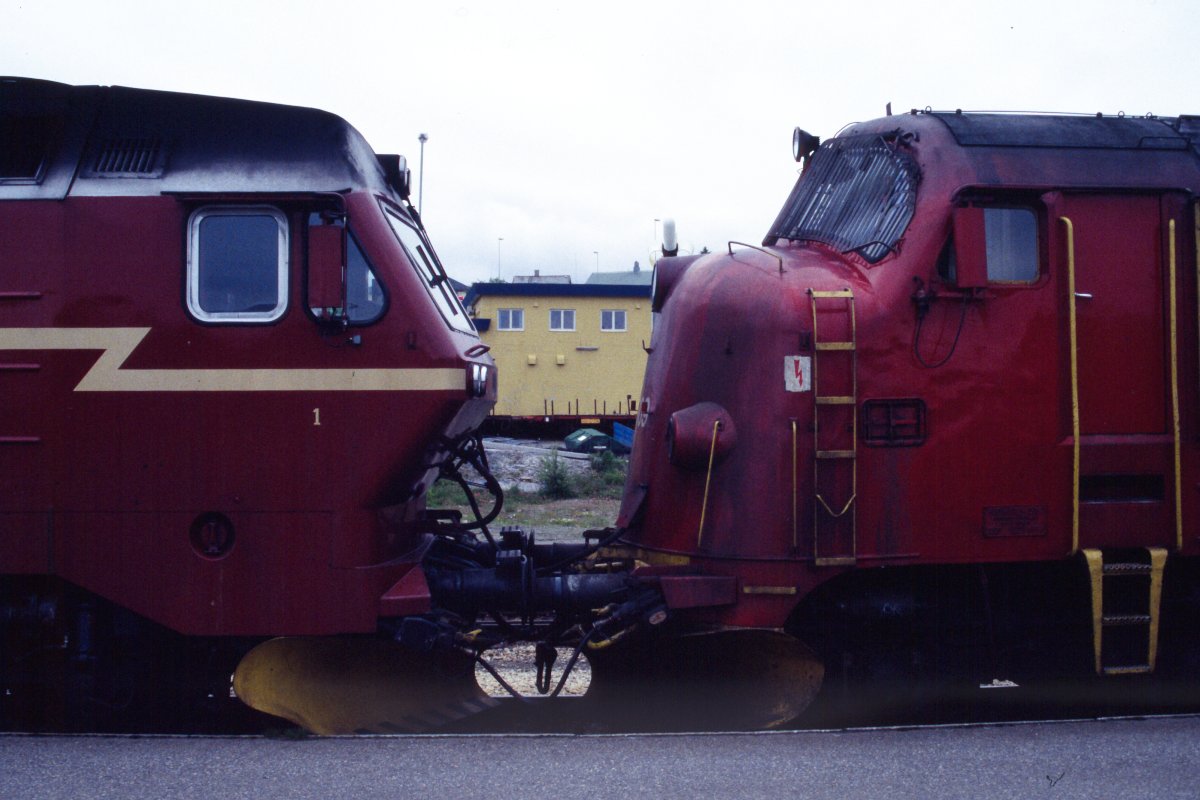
x,y
965,353
876,446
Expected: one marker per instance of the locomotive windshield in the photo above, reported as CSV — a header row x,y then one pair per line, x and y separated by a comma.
x,y
857,195
427,265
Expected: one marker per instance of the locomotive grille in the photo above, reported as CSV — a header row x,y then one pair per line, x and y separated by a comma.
x,y
857,195
128,157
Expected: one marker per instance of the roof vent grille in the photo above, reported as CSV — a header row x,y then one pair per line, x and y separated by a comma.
x,y
139,157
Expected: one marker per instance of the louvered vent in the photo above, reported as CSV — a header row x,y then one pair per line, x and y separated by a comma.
x,y
128,157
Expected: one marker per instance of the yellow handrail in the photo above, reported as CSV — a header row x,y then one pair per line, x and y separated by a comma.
x,y
1175,388
1074,336
795,490
712,452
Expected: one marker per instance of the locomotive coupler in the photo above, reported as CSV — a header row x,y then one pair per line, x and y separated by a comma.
x,y
513,588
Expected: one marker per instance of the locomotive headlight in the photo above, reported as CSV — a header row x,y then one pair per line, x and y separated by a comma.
x,y
479,376
804,143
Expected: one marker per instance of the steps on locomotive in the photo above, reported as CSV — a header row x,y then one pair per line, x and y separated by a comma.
x,y
835,428
1126,589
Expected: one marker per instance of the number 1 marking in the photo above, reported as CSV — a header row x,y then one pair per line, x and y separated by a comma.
x,y
316,416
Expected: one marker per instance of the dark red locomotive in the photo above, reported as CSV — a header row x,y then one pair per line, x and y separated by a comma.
x,y
232,364
965,353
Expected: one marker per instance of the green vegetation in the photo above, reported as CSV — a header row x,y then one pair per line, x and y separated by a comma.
x,y
604,479
446,494
554,481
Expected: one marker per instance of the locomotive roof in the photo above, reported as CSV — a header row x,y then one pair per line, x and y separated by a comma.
x,y
1047,150
104,141
1087,132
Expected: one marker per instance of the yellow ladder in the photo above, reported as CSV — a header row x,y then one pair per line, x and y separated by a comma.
x,y
1123,613
837,453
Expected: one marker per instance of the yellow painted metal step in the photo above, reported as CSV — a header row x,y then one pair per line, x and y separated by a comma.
x,y
836,464
1137,669
1152,571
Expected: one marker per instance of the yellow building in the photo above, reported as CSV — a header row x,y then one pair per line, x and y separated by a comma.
x,y
564,350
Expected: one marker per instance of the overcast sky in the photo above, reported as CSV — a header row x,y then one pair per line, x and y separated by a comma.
x,y
567,128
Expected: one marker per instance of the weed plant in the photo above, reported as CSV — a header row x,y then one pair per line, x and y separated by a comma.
x,y
554,479
604,478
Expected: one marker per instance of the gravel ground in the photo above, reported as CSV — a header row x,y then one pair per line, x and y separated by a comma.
x,y
517,462
516,665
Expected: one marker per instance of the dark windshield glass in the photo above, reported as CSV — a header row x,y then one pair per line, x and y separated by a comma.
x,y
857,195
426,263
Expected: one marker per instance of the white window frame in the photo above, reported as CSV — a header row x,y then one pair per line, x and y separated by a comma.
x,y
613,328
562,312
510,327
193,265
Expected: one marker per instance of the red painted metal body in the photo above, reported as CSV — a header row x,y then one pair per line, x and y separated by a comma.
x,y
968,342
321,477
987,371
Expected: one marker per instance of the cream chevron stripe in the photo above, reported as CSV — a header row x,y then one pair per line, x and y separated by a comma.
x,y
117,344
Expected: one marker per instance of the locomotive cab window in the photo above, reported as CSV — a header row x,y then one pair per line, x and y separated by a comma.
x,y
364,293
1012,245
237,264
330,247
995,245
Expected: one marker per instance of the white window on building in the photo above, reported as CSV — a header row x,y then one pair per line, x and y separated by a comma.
x,y
562,319
612,319
510,319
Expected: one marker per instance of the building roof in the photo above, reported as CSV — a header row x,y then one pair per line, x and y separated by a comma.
x,y
538,277
478,290
636,277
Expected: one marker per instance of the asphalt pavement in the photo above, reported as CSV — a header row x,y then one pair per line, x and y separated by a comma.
x,y
1119,758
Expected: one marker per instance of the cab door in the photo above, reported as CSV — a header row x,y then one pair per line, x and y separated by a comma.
x,y
1121,381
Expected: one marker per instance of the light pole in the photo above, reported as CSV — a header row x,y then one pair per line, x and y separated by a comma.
x,y
499,239
656,243
596,253
421,181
